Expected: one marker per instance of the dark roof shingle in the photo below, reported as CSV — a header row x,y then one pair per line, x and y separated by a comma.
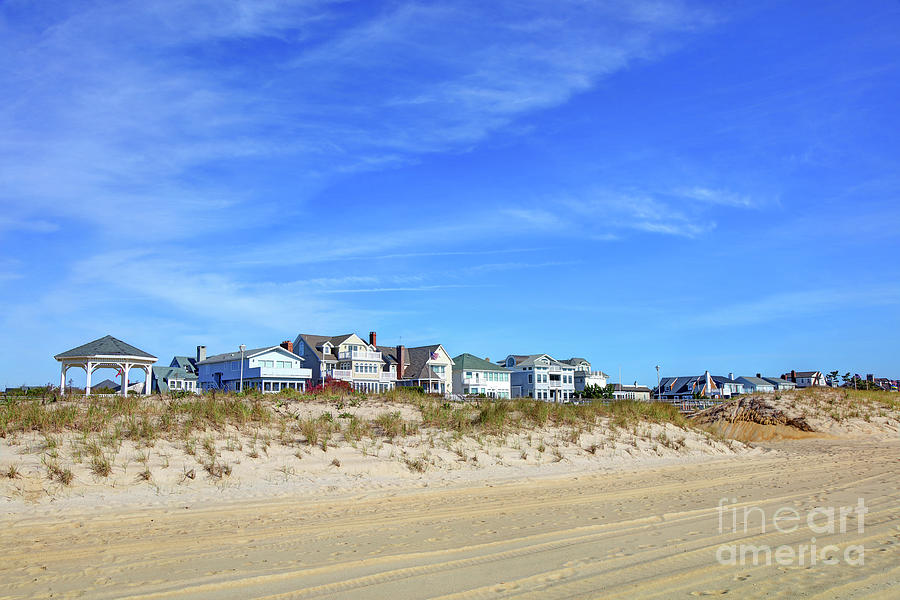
x,y
105,346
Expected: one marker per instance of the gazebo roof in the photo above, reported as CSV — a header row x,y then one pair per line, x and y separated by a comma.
x,y
105,346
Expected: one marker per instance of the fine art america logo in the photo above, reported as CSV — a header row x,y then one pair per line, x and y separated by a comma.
x,y
821,520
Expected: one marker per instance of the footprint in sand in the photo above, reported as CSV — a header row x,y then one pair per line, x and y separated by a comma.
x,y
557,575
575,563
504,587
710,593
741,577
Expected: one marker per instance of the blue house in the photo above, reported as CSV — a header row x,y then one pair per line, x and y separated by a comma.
x,y
268,370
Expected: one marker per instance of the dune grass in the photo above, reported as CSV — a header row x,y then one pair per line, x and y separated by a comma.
x,y
132,417
106,421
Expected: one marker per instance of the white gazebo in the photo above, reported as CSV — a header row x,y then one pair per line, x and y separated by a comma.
x,y
107,352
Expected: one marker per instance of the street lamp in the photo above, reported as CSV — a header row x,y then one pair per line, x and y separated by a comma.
x,y
243,347
657,383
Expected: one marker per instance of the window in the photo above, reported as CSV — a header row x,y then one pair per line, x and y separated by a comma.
x,y
529,378
468,374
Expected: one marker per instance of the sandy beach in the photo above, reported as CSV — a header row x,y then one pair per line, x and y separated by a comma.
x,y
636,531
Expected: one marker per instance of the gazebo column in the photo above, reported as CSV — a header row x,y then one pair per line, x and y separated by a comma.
x,y
147,383
125,368
62,379
88,368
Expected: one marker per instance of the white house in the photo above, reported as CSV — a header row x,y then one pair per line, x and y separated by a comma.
x,y
631,392
805,379
270,369
781,384
756,384
476,376
429,367
371,368
347,358
540,376
584,376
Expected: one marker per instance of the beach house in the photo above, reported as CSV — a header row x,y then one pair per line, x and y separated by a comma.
x,y
584,376
348,358
756,384
429,367
805,379
269,370
679,389
180,375
631,392
540,376
479,376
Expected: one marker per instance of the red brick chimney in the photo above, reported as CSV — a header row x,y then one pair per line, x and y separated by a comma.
x,y
793,375
288,345
402,358
372,338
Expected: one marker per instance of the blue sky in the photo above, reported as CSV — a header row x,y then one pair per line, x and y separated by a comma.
x,y
703,186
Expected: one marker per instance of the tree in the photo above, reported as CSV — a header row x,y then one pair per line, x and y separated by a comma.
x,y
597,391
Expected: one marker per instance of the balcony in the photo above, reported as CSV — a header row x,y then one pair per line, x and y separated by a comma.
x,y
263,372
341,374
359,355
385,377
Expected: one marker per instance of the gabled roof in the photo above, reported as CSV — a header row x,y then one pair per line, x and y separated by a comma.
x,y
172,373
779,381
470,362
757,381
575,361
313,342
388,354
807,373
630,388
250,353
528,359
679,385
188,363
106,384
418,363
105,346
164,374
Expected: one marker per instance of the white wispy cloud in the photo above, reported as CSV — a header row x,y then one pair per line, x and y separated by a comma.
x,y
121,109
718,197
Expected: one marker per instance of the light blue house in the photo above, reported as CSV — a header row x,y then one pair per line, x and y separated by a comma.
x,y
540,376
268,370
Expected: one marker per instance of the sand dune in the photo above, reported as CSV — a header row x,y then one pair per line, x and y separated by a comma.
x,y
650,532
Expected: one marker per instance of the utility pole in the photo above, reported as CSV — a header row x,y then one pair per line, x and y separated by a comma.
x,y
243,347
657,383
